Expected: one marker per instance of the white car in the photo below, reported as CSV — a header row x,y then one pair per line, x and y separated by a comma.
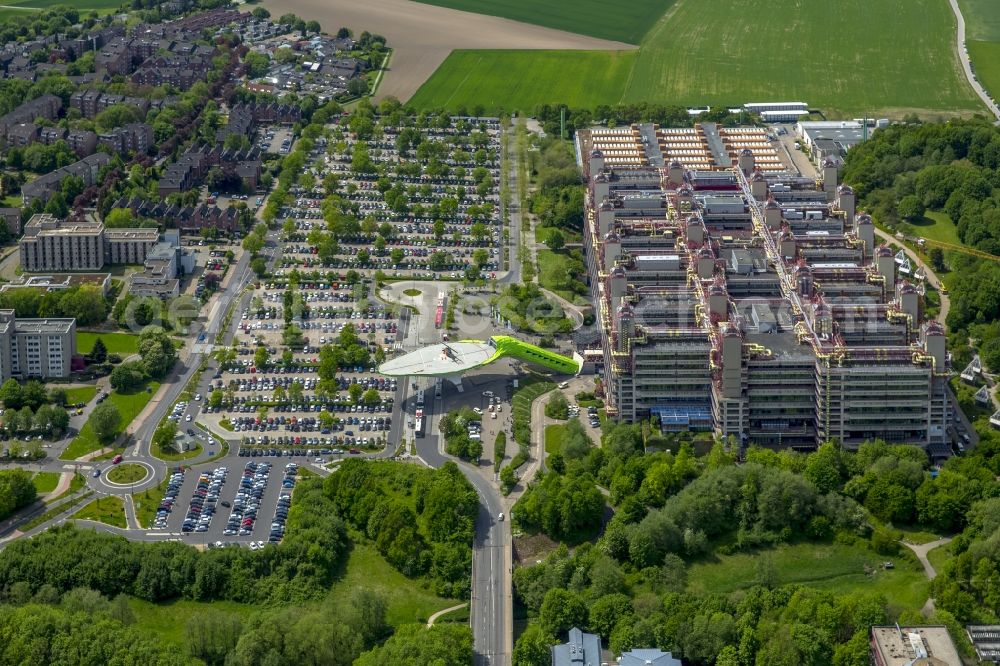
x,y
500,517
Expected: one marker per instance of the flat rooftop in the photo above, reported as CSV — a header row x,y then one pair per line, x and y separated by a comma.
x,y
901,646
441,359
43,325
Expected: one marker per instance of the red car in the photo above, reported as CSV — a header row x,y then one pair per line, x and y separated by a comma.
x,y
117,459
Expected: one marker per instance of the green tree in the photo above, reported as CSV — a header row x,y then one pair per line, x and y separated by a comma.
x,y
163,436
10,393
99,352
128,376
561,611
555,240
104,421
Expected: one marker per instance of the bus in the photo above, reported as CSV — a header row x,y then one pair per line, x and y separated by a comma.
x,y
418,424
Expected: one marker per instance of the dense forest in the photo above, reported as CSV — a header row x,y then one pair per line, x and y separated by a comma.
x,y
906,170
627,580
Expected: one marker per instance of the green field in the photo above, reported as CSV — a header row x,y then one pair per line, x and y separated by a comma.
x,y
982,19
117,343
985,57
129,405
524,79
147,501
100,6
45,482
554,435
879,57
407,601
832,567
552,266
82,394
127,473
623,22
935,226
108,510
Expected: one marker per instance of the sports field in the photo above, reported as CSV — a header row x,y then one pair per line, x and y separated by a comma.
x,y
513,80
623,22
879,57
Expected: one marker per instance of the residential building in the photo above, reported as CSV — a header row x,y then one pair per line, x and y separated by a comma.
x,y
83,142
912,646
648,657
582,649
752,302
22,135
50,244
35,348
161,275
12,218
87,169
46,106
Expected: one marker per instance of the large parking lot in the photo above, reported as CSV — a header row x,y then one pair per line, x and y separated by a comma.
x,y
219,504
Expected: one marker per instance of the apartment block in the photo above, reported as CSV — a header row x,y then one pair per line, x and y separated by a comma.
x,y
745,300
53,245
39,348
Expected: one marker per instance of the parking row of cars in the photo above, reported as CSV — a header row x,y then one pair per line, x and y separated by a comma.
x,y
204,501
283,504
174,483
248,498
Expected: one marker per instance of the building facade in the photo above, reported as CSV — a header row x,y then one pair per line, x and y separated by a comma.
x,y
53,245
751,302
35,348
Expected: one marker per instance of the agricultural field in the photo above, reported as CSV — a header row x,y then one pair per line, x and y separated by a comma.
x,y
877,57
985,57
100,6
499,79
624,22
982,19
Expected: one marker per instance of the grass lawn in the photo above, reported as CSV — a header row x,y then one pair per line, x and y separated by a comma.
x,y
412,292
45,482
554,268
117,343
407,600
939,557
985,58
109,510
554,435
147,501
170,456
542,234
83,394
730,52
982,19
521,80
167,621
129,405
100,6
833,567
78,482
935,226
623,22
127,473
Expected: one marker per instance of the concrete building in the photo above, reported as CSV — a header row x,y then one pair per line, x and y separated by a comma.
x,y
912,646
40,348
985,638
756,304
60,281
582,649
50,244
88,169
165,264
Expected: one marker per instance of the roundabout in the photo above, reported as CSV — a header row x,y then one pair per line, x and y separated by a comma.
x,y
128,476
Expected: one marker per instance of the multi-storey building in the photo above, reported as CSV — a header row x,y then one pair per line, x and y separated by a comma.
x,y
752,302
35,347
50,244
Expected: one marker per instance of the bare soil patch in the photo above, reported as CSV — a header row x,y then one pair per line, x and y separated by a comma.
x,y
422,36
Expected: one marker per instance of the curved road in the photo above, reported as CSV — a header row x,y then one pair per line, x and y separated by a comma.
x,y
963,56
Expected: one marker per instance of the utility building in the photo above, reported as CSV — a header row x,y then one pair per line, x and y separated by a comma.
x,y
755,303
